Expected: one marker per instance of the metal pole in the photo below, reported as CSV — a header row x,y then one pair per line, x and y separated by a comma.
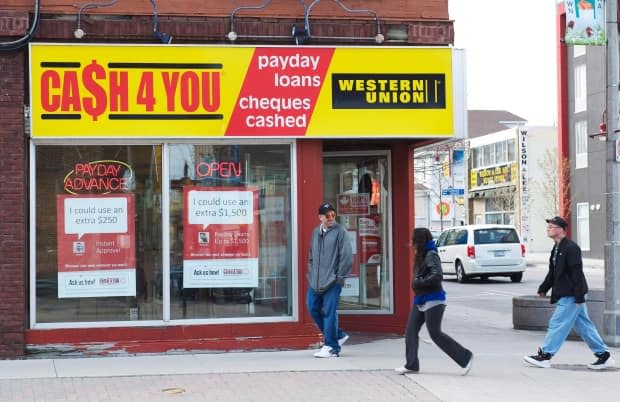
x,y
611,315
439,174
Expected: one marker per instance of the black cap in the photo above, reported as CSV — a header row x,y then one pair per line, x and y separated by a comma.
x,y
325,207
558,221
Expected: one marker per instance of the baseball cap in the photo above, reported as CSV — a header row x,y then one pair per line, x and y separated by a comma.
x,y
325,207
558,221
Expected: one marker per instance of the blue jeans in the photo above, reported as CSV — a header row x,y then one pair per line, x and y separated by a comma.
x,y
567,315
322,308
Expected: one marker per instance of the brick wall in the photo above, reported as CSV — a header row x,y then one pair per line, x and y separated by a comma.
x,y
386,9
13,205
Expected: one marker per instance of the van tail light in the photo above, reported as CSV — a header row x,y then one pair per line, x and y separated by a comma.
x,y
522,250
471,251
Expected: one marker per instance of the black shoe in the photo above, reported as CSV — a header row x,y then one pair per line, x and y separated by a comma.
x,y
539,360
604,361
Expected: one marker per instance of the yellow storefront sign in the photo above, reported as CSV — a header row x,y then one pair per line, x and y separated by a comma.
x,y
140,91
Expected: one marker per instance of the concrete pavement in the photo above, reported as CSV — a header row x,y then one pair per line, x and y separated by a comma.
x,y
364,372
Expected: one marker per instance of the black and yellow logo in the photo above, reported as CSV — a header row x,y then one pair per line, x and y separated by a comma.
x,y
388,91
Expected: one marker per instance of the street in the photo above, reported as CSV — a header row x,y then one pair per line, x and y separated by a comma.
x,y
495,294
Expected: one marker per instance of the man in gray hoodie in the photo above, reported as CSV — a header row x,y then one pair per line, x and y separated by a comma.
x,y
329,263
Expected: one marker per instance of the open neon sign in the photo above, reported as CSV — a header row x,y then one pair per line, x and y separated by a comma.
x,y
225,169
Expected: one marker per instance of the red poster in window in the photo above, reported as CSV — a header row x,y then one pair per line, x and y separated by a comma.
x,y
96,245
370,239
220,237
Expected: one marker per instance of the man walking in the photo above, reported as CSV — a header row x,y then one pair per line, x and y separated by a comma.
x,y
329,263
568,291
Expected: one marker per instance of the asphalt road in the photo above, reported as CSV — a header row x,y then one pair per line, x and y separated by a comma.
x,y
495,294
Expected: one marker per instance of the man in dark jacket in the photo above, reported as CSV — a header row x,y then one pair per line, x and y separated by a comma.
x,y
329,263
568,291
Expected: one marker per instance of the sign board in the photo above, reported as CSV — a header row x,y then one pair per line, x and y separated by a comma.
x,y
585,22
103,90
220,237
453,191
96,245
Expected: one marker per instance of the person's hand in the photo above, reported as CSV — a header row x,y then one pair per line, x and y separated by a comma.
x,y
541,294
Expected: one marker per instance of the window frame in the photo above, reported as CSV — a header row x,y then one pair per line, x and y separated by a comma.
x,y
583,225
165,241
581,144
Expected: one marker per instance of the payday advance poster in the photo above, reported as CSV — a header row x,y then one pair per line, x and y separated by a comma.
x,y
220,236
96,245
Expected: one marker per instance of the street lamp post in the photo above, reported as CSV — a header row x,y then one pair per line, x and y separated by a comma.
x,y
611,315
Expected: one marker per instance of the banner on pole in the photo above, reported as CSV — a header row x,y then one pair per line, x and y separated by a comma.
x,y
585,22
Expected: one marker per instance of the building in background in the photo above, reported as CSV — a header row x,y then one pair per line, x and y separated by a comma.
x,y
507,177
581,110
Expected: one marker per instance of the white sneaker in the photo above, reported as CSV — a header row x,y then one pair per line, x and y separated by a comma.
x,y
404,370
326,351
465,370
604,361
343,340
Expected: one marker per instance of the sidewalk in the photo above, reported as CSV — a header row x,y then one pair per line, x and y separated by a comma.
x,y
364,372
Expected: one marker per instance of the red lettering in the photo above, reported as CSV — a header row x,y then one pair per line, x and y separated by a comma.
x,y
99,177
70,93
190,91
211,91
81,168
96,104
119,92
145,91
50,80
221,169
170,86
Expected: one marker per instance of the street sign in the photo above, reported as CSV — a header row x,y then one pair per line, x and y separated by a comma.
x,y
452,191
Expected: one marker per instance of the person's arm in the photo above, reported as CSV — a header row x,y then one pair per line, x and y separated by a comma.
x,y
312,236
345,262
434,273
547,283
574,265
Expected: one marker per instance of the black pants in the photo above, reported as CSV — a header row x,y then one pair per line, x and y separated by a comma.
x,y
432,317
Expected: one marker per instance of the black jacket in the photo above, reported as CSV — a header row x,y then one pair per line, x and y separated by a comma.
x,y
429,275
566,278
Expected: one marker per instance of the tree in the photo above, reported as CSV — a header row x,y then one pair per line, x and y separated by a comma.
x,y
554,188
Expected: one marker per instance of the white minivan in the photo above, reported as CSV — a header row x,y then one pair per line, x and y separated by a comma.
x,y
482,251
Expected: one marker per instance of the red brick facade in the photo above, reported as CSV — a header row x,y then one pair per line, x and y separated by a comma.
x,y
13,205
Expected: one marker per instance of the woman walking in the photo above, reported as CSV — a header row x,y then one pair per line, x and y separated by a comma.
x,y
429,304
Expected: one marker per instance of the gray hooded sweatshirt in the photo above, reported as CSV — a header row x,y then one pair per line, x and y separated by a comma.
x,y
330,259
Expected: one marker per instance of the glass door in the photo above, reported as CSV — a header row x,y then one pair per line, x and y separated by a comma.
x,y
358,185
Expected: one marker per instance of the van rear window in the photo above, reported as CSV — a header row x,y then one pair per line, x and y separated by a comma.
x,y
498,235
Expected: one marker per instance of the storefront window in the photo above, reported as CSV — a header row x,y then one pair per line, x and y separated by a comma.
x,y
500,208
230,231
98,233
358,186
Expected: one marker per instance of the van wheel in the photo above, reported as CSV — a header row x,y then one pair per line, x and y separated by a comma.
x,y
516,277
460,273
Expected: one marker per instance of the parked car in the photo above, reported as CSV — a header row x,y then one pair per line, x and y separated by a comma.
x,y
482,251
